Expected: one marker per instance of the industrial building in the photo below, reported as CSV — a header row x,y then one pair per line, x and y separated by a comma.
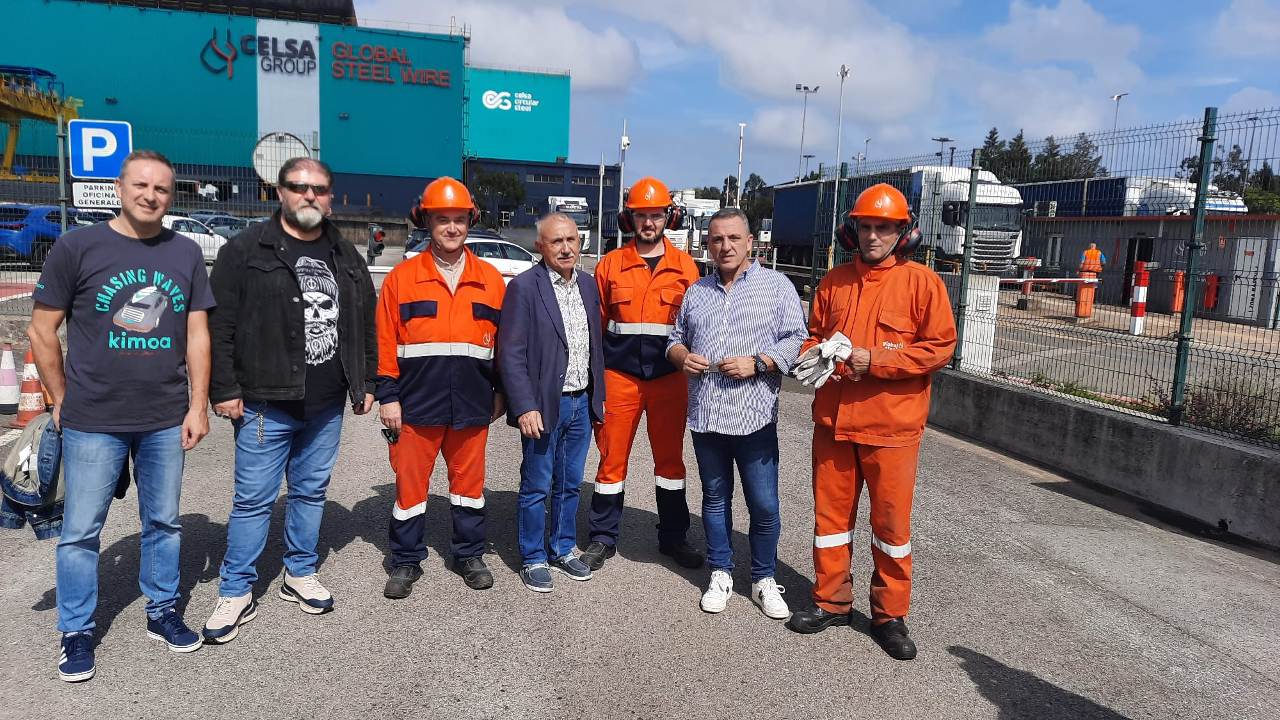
x,y
388,108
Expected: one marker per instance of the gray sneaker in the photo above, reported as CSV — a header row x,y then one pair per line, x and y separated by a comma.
x,y
573,567
536,577
228,615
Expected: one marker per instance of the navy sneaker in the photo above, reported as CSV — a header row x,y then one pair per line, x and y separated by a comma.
x,y
170,629
573,567
536,577
76,662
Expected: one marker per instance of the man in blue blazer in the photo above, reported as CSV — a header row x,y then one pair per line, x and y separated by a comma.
x,y
552,366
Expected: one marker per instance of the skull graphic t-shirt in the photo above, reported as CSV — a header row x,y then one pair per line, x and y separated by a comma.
x,y
312,263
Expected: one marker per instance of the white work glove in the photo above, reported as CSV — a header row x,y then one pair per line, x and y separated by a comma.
x,y
818,362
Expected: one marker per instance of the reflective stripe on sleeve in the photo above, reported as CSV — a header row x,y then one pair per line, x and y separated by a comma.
x,y
444,349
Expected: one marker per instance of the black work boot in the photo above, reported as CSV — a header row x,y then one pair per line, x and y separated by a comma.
x,y
596,553
892,637
682,552
400,584
815,620
474,572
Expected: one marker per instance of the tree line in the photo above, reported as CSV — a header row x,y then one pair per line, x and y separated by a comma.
x,y
1016,161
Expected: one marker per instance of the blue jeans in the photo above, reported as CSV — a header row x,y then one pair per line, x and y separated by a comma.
x,y
270,443
552,467
91,465
757,458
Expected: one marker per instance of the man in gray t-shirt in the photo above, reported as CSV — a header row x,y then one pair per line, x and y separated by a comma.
x,y
135,297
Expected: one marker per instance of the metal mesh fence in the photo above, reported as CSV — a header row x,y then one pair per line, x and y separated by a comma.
x,y
1074,238
217,193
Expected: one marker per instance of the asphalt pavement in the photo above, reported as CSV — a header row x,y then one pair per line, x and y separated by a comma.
x,y
1035,597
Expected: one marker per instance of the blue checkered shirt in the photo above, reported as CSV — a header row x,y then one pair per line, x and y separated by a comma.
x,y
760,314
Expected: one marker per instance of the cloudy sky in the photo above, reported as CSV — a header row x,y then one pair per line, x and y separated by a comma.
x,y
684,74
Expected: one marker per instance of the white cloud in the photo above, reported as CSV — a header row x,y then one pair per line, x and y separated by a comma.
x,y
1251,98
530,35
765,47
1042,101
1072,32
1248,29
778,127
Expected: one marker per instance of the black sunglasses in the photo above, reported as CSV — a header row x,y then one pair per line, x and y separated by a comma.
x,y
301,188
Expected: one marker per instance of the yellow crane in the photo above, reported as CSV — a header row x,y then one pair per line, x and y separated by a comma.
x,y
28,93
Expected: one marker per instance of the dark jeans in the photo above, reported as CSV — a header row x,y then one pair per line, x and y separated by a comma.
x,y
756,456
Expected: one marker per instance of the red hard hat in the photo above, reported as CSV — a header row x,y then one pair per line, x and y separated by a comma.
x,y
648,192
882,201
446,194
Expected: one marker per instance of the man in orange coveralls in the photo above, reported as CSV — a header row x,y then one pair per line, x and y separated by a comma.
x,y
437,320
641,287
880,325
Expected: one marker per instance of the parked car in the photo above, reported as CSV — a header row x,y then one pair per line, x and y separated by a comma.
x,y
28,231
205,215
226,225
93,217
209,241
510,259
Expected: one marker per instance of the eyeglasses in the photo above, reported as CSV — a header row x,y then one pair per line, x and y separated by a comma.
x,y
301,188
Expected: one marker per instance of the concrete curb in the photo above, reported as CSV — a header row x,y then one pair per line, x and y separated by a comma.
x,y
1211,479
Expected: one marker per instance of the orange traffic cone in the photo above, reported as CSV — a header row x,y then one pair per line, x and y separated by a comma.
x,y
8,382
31,400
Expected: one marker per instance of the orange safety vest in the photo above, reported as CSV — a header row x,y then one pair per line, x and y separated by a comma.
x,y
1091,260
639,307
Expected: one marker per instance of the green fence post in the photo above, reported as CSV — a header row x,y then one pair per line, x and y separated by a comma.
x,y
1194,245
962,303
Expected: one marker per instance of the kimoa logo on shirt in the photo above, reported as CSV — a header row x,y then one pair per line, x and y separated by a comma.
x,y
142,311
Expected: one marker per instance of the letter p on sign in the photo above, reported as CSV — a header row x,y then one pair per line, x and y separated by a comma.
x,y
98,148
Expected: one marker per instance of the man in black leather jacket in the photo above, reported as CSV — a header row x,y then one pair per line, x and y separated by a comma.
x,y
294,343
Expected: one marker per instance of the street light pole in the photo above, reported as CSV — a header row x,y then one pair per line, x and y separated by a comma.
x,y
1115,123
1248,161
742,128
806,164
623,144
804,112
942,147
843,73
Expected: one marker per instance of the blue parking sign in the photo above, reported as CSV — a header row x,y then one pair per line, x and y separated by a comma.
x,y
98,148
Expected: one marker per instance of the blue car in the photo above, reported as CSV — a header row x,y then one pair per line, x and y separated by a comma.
x,y
28,231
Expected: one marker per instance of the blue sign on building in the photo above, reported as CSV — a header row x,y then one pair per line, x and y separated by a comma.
x,y
98,148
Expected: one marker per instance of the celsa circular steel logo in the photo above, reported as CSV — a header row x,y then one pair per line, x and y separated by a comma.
x,y
494,100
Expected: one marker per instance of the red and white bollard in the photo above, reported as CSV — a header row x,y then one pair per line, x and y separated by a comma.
x,y
1138,301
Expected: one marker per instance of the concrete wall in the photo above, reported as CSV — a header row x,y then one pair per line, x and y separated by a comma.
x,y
1232,486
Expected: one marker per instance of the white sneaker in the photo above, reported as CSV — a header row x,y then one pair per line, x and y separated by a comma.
x,y
768,595
718,592
307,591
228,615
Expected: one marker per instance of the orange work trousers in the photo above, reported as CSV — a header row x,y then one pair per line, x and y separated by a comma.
x,y
840,469
665,402
413,458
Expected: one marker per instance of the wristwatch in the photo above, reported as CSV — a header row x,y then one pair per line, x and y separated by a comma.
x,y
761,367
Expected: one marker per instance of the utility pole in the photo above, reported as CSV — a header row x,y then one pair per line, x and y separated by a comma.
x,y
1115,123
742,127
843,73
804,112
623,144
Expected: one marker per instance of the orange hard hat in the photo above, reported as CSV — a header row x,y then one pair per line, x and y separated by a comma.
x,y
648,192
445,193
882,201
